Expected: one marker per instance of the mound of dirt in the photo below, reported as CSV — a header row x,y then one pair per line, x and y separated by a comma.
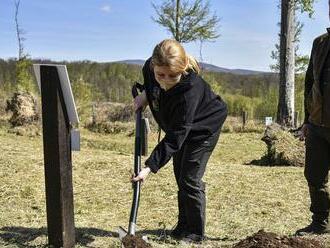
x,y
108,127
264,239
111,111
282,148
109,117
24,109
27,130
131,241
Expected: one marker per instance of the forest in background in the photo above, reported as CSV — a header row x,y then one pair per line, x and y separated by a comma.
x,y
94,82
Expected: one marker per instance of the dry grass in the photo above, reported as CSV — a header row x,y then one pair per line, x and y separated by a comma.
x,y
241,199
107,127
235,125
113,112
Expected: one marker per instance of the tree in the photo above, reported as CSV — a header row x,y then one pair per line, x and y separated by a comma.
x,y
301,61
187,21
82,91
285,110
19,31
23,65
305,6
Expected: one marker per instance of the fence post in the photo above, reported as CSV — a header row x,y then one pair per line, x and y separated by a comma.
x,y
57,159
93,114
244,117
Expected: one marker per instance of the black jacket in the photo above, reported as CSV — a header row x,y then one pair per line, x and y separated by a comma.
x,y
189,111
317,95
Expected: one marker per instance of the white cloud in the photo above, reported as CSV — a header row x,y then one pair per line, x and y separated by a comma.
x,y
106,8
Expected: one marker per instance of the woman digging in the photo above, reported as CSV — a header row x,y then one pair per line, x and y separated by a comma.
x,y
191,115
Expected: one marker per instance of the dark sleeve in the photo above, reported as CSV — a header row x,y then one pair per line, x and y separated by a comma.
x,y
309,81
179,128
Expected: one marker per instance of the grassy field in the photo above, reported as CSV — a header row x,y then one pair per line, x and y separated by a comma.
x,y
241,199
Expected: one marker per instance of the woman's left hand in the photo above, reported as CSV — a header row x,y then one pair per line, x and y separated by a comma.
x,y
142,175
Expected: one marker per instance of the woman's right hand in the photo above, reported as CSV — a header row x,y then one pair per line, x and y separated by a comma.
x,y
140,101
142,175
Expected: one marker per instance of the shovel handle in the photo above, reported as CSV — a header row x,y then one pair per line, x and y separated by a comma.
x,y
137,162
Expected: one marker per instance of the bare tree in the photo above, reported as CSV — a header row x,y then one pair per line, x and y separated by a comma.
x,y
177,37
19,31
24,80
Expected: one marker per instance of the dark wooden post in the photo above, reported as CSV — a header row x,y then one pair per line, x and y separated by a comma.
x,y
57,158
93,114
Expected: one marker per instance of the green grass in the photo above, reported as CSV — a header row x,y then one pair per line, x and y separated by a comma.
x,y
241,199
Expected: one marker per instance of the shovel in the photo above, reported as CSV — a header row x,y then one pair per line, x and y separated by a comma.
x,y
141,140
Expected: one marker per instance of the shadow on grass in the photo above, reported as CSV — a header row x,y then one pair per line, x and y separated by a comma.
x,y
163,235
21,236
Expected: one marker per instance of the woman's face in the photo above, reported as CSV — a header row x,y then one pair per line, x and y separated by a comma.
x,y
165,77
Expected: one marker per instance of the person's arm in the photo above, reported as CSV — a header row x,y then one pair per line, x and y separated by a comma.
x,y
173,140
180,126
309,81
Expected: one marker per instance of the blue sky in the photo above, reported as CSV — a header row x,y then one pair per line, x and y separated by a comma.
x,y
111,30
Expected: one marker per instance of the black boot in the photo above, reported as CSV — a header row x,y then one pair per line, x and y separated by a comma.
x,y
179,231
313,228
320,208
193,239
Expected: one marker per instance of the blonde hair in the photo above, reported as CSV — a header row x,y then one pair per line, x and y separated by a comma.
x,y
171,53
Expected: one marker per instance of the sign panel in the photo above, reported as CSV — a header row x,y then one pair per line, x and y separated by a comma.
x,y
269,121
66,89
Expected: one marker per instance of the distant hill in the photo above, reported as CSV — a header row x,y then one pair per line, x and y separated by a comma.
x,y
205,66
214,68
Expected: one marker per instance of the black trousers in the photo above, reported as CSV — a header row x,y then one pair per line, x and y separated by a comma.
x,y
316,172
189,167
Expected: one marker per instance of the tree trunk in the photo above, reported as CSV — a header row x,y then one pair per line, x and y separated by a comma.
x,y
177,20
285,111
201,50
18,31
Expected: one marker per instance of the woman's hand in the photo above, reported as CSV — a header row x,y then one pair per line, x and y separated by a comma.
x,y
142,175
303,132
140,101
